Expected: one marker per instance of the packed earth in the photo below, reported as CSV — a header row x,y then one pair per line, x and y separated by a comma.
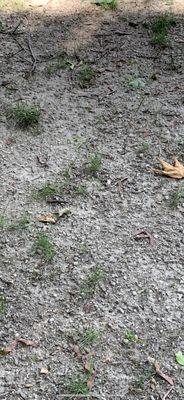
x,y
91,236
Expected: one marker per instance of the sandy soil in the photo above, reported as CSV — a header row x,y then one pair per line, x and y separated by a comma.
x,y
107,305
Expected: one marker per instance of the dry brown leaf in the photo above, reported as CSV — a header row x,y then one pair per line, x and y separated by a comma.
x,y
49,218
162,375
175,171
52,218
76,350
91,379
12,346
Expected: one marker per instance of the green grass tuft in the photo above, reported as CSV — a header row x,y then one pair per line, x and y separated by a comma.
x,y
24,115
90,283
107,4
86,76
160,28
44,246
94,164
2,304
90,336
177,197
47,190
78,386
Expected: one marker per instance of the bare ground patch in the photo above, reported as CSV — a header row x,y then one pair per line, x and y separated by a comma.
x,y
100,305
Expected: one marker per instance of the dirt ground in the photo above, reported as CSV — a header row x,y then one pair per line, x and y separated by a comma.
x,y
106,306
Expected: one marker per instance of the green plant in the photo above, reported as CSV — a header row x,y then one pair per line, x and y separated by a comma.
x,y
83,248
44,246
86,76
112,4
47,190
2,304
81,190
25,115
21,223
143,148
94,164
131,337
90,336
136,83
78,385
61,63
160,39
2,221
176,197
36,275
144,378
89,284
160,28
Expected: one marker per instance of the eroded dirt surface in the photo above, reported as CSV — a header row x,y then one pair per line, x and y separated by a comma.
x,y
127,292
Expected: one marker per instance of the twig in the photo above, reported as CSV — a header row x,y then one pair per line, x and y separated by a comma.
x,y
11,32
14,54
120,33
167,393
144,234
32,54
16,27
140,103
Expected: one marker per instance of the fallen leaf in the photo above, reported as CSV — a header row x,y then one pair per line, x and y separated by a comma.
x,y
9,141
162,375
144,234
49,218
180,358
88,363
153,383
90,381
13,345
55,198
44,371
63,211
76,350
175,171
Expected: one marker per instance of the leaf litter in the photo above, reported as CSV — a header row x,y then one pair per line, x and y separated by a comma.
x,y
87,362
175,171
13,345
52,218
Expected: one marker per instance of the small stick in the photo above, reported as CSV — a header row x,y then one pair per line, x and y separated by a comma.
x,y
167,394
32,54
14,54
16,27
12,32
143,233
